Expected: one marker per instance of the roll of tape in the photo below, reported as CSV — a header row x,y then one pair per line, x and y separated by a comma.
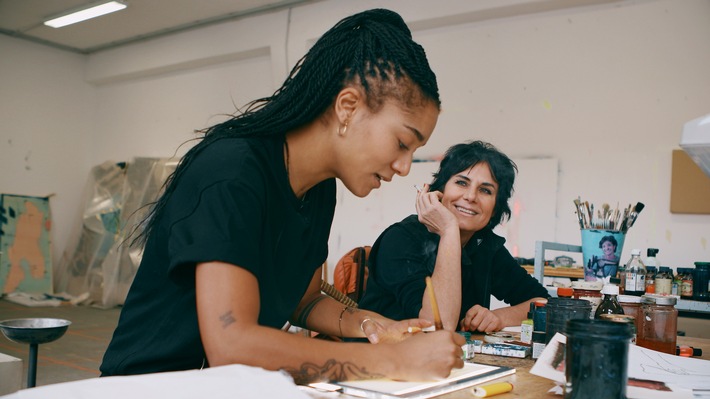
x,y
498,337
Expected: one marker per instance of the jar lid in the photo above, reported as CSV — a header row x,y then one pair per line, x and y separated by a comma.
x,y
629,299
610,289
658,299
619,318
587,285
564,291
702,264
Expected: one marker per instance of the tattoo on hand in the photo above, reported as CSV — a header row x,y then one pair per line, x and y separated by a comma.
x,y
227,319
331,371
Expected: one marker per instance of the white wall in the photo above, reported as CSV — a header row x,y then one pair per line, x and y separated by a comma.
x,y
46,128
604,88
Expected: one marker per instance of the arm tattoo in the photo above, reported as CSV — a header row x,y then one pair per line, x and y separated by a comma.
x,y
227,319
331,371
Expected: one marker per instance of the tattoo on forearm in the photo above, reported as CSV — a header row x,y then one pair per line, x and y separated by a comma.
x,y
330,371
227,319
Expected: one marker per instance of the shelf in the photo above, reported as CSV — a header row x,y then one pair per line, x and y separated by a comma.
x,y
551,271
687,305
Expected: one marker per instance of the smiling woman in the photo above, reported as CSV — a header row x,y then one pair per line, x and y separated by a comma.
x,y
452,240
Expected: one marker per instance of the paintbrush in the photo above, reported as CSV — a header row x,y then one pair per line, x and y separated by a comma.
x,y
635,213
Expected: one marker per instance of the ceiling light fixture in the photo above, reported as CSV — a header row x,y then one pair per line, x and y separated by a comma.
x,y
93,10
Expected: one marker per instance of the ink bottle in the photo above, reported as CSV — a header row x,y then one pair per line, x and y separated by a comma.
x,y
610,303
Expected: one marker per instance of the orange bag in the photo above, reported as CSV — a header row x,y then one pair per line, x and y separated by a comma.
x,y
350,274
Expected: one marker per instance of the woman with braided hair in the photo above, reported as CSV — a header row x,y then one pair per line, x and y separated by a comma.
x,y
234,246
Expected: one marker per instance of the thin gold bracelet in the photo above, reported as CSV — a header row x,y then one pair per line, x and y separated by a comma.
x,y
340,320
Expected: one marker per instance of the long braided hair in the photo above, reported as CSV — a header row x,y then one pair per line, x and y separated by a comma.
x,y
373,48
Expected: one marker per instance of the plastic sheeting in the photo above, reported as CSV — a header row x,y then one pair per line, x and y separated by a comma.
x,y
99,259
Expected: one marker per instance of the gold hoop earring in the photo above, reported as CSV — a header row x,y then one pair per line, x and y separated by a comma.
x,y
342,130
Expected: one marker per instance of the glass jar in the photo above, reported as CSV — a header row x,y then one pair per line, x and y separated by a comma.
x,y
676,284
701,281
623,318
632,307
590,291
664,281
659,323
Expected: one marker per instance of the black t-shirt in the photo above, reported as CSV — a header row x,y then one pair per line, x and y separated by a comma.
x,y
405,253
233,204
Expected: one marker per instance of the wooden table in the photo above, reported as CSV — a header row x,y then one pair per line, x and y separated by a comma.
x,y
527,385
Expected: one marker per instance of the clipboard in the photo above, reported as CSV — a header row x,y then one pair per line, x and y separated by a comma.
x,y
471,374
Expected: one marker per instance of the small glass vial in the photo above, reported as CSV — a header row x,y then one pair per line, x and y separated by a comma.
x,y
659,324
526,327
686,284
538,343
540,316
650,279
676,284
590,291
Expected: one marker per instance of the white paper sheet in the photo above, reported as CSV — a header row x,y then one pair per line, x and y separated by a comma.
x,y
228,382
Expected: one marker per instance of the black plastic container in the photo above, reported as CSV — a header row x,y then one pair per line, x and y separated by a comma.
x,y
700,281
596,359
560,310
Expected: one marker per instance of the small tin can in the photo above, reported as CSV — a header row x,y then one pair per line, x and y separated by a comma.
x,y
590,291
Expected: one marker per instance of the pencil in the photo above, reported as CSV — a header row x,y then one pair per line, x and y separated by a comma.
x,y
434,306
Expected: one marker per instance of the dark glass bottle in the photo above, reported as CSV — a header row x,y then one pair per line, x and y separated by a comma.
x,y
610,303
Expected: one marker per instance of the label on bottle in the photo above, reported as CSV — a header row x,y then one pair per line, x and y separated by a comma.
x,y
635,282
686,288
526,331
663,286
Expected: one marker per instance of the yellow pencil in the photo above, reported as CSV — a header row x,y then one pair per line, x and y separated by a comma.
x,y
434,306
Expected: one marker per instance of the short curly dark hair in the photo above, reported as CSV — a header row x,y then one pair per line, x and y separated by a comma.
x,y
462,156
611,239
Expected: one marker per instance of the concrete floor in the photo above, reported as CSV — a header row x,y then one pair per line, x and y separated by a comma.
x,y
75,356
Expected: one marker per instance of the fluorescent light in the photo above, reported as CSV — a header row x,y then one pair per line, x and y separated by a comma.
x,y
95,10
